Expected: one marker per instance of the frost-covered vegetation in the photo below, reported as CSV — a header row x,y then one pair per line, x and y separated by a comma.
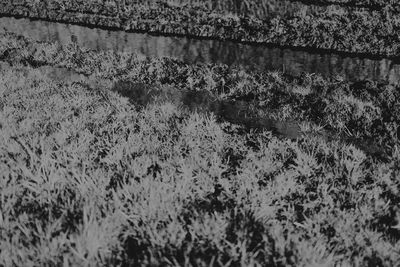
x,y
89,178
93,174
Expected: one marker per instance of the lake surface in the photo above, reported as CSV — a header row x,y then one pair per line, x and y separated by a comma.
x,y
250,57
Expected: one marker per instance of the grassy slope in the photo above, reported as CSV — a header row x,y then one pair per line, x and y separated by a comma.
x,y
89,180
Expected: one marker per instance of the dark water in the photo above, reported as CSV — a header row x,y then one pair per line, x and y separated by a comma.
x,y
208,51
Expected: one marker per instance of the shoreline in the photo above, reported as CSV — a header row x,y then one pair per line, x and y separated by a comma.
x,y
353,38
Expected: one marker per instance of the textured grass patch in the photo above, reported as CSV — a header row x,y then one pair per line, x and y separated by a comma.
x,y
362,113
335,29
88,179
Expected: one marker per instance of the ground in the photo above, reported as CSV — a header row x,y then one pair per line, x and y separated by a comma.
x,y
92,177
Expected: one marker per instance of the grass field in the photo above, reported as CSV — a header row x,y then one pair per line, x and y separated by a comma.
x,y
90,175
248,7
90,179
262,7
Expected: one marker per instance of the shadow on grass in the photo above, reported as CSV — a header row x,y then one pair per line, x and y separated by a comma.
x,y
237,112
199,250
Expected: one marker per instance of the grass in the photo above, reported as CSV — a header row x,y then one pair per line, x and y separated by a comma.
x,y
368,110
259,9
88,179
332,28
246,7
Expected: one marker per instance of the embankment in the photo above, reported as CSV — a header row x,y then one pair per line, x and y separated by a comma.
x,y
356,31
